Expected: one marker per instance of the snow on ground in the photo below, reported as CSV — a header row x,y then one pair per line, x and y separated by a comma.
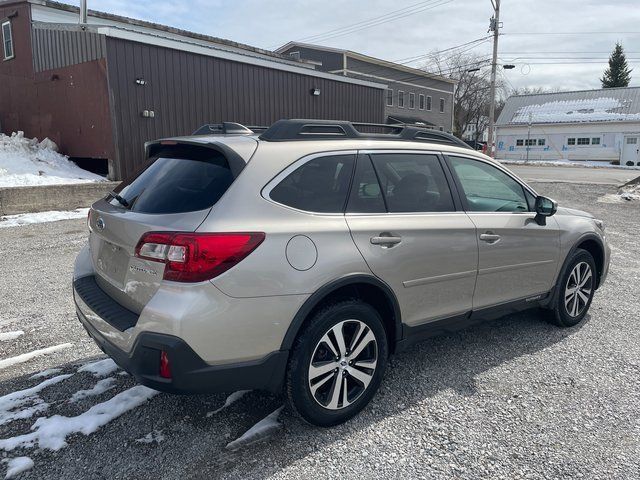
x,y
41,217
155,436
260,431
10,335
234,397
16,466
627,193
564,163
46,373
51,432
25,357
101,368
26,403
99,388
25,161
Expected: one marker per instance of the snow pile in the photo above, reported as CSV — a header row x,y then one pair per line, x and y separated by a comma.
x,y
101,368
16,466
41,217
99,388
234,397
26,403
259,432
51,432
603,109
155,436
626,193
10,335
25,161
25,357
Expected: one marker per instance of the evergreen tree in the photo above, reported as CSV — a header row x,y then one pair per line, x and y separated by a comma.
x,y
618,73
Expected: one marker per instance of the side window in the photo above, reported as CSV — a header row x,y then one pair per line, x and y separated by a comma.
x,y
413,183
366,195
488,189
320,185
7,40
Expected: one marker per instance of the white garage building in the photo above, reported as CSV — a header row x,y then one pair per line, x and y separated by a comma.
x,y
584,125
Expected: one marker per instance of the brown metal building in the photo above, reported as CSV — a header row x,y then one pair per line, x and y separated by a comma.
x,y
102,88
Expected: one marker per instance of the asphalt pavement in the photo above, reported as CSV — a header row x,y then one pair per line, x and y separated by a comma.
x,y
513,398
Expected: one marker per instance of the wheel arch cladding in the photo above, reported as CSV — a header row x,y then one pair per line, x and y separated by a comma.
x,y
369,289
594,246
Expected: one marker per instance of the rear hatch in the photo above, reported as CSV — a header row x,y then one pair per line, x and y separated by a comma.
x,y
174,192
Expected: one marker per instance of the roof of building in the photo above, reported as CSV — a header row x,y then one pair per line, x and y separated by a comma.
x,y
367,58
583,106
54,15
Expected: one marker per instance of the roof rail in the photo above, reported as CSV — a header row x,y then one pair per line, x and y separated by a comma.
x,y
287,130
227,128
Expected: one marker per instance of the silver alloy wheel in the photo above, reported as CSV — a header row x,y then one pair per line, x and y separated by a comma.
x,y
343,364
578,289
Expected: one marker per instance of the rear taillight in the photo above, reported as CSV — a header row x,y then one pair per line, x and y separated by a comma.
x,y
195,257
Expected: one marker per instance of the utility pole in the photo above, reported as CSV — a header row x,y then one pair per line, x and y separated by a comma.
x,y
495,28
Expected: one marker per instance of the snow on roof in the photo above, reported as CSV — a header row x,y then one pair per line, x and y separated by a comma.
x,y
604,105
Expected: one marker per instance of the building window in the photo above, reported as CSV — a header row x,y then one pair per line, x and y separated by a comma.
x,y
412,100
595,141
429,103
421,101
530,142
571,141
519,142
7,40
441,128
400,99
389,97
541,142
583,141
632,141
442,105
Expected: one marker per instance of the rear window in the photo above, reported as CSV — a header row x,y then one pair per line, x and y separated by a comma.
x,y
178,180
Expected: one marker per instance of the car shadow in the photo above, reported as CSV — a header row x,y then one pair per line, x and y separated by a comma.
x,y
453,361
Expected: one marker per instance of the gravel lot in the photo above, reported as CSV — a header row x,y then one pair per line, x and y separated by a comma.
x,y
514,398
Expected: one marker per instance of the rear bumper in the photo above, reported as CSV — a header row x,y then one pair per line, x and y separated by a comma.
x,y
190,374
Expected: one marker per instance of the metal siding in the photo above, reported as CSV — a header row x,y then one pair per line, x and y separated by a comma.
x,y
186,90
57,48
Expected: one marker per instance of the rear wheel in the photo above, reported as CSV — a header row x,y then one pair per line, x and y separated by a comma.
x,y
575,290
337,363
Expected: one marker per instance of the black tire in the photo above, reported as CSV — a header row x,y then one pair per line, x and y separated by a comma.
x,y
308,344
561,314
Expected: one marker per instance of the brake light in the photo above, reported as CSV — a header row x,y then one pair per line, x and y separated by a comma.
x,y
196,257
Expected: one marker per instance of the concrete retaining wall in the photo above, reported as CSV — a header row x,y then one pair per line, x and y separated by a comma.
x,y
51,197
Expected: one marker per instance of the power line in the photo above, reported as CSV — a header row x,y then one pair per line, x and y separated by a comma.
x,y
570,33
373,22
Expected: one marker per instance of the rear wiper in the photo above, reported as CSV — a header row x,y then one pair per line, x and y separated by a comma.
x,y
120,200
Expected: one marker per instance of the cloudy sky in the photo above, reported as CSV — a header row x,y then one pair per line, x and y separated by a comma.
x,y
576,36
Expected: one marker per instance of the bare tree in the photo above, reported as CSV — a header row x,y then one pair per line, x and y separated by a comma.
x,y
471,98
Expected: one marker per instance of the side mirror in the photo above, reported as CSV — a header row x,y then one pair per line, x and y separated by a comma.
x,y
545,207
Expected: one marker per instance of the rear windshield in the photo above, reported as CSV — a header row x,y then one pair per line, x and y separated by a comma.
x,y
178,180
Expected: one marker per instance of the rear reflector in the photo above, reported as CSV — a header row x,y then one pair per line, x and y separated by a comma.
x,y
165,370
196,257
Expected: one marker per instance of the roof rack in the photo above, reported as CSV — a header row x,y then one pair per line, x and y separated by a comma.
x,y
287,130
228,128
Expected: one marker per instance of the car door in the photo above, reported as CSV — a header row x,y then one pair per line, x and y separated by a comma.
x,y
517,257
404,221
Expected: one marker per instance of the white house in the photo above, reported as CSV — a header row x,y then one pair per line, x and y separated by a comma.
x,y
470,131
584,125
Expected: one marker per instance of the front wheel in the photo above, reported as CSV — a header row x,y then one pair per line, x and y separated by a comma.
x,y
337,363
575,290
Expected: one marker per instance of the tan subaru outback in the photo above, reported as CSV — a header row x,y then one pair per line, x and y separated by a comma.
x,y
301,258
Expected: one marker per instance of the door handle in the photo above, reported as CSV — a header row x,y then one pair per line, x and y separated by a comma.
x,y
385,240
489,237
